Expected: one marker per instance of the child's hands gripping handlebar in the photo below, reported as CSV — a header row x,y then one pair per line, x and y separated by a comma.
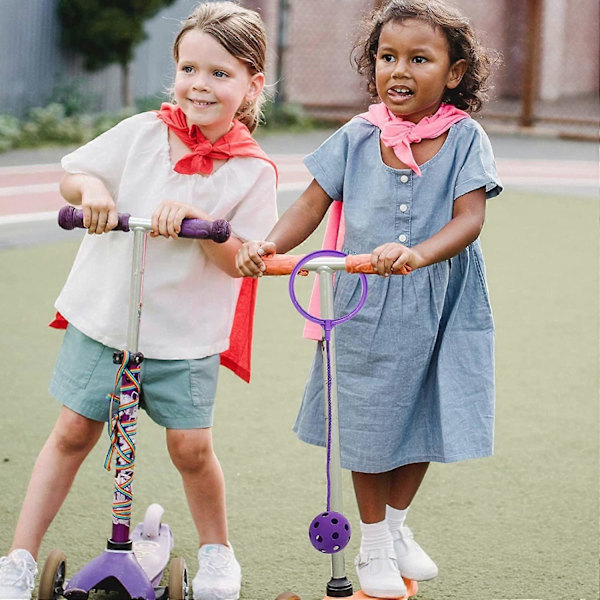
x,y
283,264
218,231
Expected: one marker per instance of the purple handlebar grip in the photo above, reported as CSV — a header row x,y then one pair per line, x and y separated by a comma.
x,y
218,231
70,217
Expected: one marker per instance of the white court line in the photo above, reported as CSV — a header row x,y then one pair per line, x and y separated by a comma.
x,y
29,218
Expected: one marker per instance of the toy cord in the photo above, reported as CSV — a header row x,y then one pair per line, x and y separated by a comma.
x,y
121,432
328,467
327,325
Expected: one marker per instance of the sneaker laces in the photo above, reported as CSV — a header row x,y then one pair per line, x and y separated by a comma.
x,y
16,571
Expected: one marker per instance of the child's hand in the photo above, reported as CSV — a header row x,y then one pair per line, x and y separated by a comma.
x,y
249,257
167,218
99,209
391,257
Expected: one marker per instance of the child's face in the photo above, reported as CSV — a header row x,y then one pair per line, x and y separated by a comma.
x,y
413,70
211,84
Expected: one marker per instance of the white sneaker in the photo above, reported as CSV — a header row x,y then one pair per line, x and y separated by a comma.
x,y
413,561
17,572
378,574
219,574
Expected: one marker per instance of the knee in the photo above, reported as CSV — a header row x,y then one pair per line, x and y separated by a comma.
x,y
74,434
190,452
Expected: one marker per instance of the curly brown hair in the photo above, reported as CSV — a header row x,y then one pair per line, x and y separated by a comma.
x,y
473,90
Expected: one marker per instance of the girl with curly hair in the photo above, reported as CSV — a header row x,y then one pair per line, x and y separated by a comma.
x,y
416,368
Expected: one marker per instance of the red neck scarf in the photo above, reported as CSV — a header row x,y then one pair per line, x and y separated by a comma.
x,y
238,141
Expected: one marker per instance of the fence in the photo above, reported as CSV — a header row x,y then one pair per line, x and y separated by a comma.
x,y
549,76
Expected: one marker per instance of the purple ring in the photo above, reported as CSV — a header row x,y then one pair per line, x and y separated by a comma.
x,y
326,324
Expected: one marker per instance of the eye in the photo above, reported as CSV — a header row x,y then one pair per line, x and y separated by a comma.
x,y
419,60
187,69
220,74
388,58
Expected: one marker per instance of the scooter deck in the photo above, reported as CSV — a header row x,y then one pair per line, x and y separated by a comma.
x,y
412,588
153,552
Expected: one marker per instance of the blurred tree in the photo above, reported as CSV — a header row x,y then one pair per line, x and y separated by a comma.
x,y
106,32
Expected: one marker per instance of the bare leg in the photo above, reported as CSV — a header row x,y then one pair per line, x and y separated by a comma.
x,y
65,449
405,483
396,488
192,453
372,491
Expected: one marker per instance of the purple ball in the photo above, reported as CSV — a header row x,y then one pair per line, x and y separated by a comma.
x,y
329,532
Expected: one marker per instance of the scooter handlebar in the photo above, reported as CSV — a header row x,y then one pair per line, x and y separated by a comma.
x,y
283,264
218,231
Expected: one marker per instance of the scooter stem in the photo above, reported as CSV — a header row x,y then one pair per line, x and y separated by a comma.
x,y
124,472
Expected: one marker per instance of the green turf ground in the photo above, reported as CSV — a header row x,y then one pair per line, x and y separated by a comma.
x,y
523,524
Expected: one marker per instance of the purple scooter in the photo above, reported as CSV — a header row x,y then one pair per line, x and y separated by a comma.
x,y
132,565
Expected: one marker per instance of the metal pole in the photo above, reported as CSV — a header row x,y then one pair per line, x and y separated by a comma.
x,y
283,9
123,470
135,288
339,586
532,60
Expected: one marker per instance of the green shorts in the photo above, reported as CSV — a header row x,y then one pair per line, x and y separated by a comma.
x,y
177,394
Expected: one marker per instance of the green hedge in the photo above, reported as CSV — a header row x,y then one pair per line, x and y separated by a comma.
x,y
57,124
51,125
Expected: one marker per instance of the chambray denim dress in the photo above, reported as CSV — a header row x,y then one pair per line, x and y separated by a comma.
x,y
415,367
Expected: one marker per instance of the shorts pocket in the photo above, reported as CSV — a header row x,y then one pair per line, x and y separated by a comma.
x,y
78,357
203,379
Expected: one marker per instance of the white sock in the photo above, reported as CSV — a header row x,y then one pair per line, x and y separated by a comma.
x,y
375,536
395,517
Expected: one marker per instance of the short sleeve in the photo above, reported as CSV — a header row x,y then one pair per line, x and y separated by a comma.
x,y
256,213
105,156
327,164
479,167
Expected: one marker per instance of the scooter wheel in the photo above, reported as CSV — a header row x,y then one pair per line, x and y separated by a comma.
x,y
178,580
52,579
287,596
152,520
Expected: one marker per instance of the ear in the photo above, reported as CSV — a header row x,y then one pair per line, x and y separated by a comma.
x,y
255,87
455,74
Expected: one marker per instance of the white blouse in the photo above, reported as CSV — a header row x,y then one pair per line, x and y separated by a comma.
x,y
188,302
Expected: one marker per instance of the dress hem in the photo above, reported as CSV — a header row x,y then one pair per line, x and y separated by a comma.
x,y
408,461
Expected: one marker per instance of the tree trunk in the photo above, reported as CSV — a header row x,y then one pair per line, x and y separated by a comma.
x,y
126,92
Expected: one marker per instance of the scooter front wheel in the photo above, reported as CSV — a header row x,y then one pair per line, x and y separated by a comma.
x,y
178,580
52,579
153,520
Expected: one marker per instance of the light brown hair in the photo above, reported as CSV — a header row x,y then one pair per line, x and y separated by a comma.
x,y
242,33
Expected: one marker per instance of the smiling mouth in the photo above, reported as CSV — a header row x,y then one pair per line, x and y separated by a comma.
x,y
201,103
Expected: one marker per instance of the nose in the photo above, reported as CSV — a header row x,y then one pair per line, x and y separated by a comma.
x,y
200,82
401,69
